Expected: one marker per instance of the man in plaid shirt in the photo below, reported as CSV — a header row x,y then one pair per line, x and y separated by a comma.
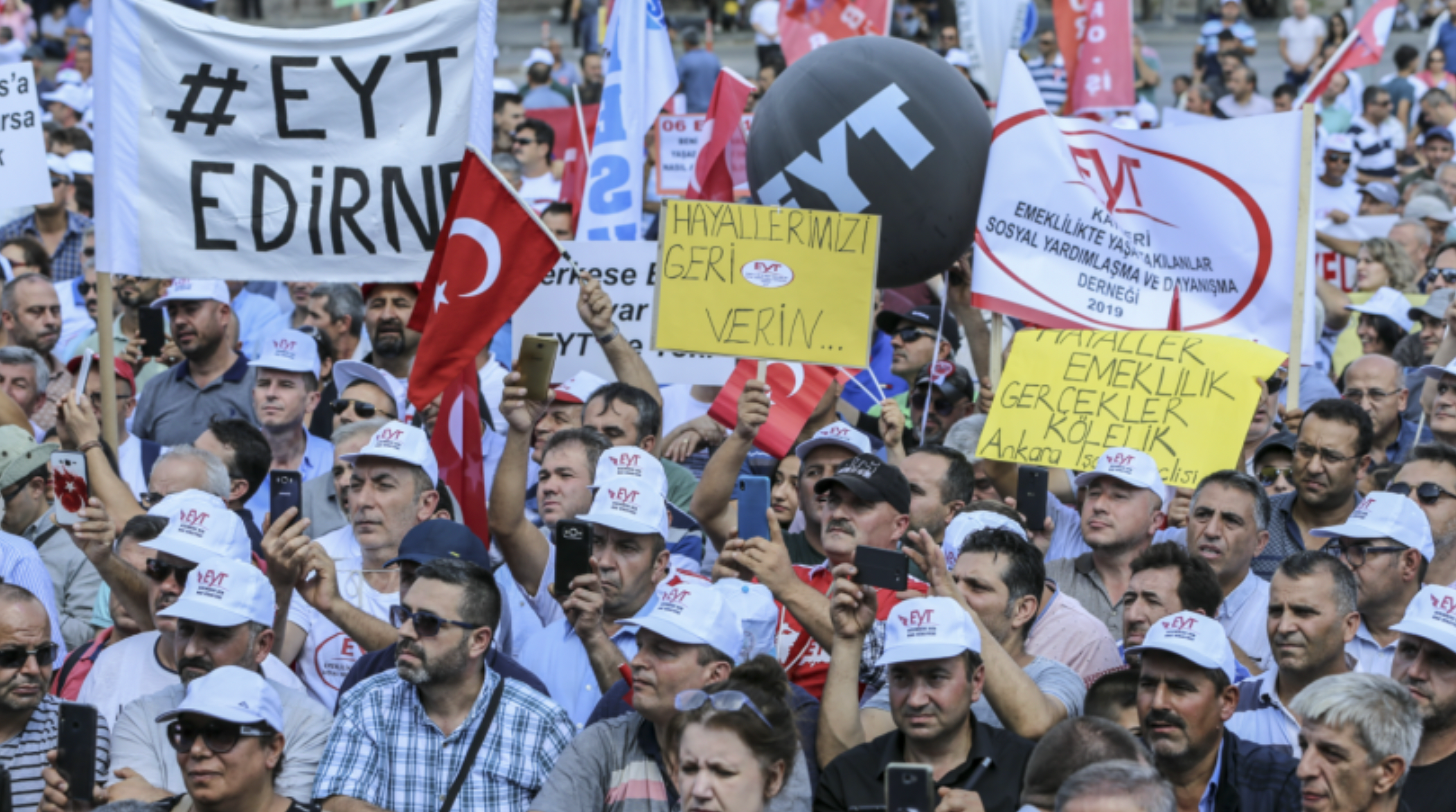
x,y
401,737
59,230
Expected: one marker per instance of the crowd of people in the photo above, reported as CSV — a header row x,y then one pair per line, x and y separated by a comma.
x,y
1281,636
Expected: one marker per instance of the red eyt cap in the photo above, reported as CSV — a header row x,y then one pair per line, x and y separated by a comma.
x,y
122,368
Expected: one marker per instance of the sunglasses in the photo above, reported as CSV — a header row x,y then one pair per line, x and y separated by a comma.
x,y
1270,474
58,181
361,408
723,701
160,572
1337,159
220,737
427,624
1275,384
940,406
524,142
909,335
1448,274
14,656
1429,493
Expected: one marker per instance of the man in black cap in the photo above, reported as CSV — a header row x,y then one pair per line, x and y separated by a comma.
x,y
913,334
1273,464
950,401
437,538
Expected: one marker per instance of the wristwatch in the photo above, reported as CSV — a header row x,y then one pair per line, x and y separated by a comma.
x,y
607,339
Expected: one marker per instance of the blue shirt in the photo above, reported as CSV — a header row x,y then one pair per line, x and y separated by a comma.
x,y
259,319
20,564
1446,40
318,458
697,70
559,658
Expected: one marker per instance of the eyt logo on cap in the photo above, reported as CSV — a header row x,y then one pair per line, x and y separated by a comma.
x,y
1178,624
210,584
389,438
837,430
284,346
1444,604
919,623
192,522
918,617
672,601
1362,510
623,495
1120,462
628,463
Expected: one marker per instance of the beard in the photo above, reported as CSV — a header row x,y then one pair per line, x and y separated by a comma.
x,y
427,672
203,348
9,702
391,344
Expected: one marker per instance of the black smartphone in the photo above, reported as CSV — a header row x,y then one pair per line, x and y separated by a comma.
x,y
76,750
153,330
1031,496
909,788
882,569
573,553
285,490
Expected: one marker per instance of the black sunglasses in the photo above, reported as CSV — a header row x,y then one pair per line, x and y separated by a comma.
x,y
427,624
525,142
363,409
1357,553
1270,474
15,656
1337,159
1429,493
160,571
912,334
1448,274
220,737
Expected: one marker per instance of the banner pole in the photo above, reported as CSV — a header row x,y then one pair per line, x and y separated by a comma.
x,y
996,327
108,355
1301,254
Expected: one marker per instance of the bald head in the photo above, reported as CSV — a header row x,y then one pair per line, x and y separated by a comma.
x,y
1381,368
1377,384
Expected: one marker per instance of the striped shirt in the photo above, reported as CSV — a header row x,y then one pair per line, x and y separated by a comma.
x,y
1051,80
24,755
1261,718
21,565
1376,145
386,751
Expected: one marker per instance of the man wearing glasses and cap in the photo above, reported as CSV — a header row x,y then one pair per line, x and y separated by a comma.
x,y
284,391
1387,543
223,619
952,400
365,394
1425,665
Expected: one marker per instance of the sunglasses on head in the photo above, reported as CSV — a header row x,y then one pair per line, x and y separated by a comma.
x,y
15,656
364,409
427,624
723,701
1429,493
160,571
220,737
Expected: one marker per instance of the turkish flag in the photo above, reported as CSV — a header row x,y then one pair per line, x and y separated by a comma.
x,y
1363,47
794,390
808,24
457,446
577,157
712,175
476,280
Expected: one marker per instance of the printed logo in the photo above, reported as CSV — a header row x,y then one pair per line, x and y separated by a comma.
x,y
674,596
284,345
766,273
192,518
623,495
389,435
1445,604
918,617
1180,624
212,578
629,460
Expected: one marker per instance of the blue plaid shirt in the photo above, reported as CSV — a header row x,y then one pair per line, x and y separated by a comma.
x,y
66,262
384,749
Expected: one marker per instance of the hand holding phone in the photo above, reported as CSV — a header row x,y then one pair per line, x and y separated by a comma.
x,y
73,491
1031,496
536,363
882,569
151,326
285,490
76,750
752,494
573,553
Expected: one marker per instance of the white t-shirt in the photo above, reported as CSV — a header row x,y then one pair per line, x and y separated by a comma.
x,y
679,406
1302,38
1256,106
328,653
1325,199
765,15
130,670
540,191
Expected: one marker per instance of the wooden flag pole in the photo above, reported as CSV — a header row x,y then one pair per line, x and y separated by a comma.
x,y
996,327
1301,254
108,359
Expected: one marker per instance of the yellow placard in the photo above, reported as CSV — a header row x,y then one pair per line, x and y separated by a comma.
x,y
766,282
1184,398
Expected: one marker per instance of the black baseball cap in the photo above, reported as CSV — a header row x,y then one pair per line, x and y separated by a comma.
x,y
956,385
926,316
1283,440
871,479
441,538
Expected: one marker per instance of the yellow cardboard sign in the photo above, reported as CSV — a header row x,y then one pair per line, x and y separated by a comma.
x,y
765,282
1186,399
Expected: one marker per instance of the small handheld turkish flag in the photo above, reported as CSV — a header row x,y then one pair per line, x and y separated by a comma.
x,y
457,446
712,174
476,280
794,390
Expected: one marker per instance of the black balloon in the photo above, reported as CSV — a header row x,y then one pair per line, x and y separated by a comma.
x,y
877,125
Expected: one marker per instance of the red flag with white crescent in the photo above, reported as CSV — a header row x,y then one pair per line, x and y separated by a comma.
x,y
457,446
794,389
712,174
491,253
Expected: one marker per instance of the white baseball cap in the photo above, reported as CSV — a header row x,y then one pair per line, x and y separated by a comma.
x,y
1385,515
1387,302
1130,466
928,629
1435,373
401,442
72,96
1431,616
629,504
538,56
231,694
60,166
348,373
964,524
1339,142
1196,638
82,162
758,615
958,58
504,85
837,433
195,290
578,388
225,592
69,76
200,527
290,351
631,461
692,612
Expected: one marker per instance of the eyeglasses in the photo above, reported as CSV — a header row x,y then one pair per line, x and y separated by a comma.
x,y
1356,553
85,288
1270,474
151,498
96,402
940,406
57,180
1275,383
524,142
1447,274
427,624
1375,395
220,737
363,409
723,701
159,571
910,335
15,656
1428,492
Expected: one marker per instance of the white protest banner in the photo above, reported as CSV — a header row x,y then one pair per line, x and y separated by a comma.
x,y
1336,268
679,140
24,179
628,273
242,152
1083,225
987,30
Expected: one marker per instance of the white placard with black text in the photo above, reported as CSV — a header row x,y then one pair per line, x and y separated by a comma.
x,y
24,180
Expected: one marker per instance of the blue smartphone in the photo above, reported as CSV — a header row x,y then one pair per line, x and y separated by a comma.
x,y
752,495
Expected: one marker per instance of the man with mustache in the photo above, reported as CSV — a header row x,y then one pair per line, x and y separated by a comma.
x,y
224,617
1425,665
1311,617
29,717
211,381
1185,697
387,310
31,315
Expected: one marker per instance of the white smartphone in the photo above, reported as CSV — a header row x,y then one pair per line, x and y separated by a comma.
x,y
68,477
81,375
